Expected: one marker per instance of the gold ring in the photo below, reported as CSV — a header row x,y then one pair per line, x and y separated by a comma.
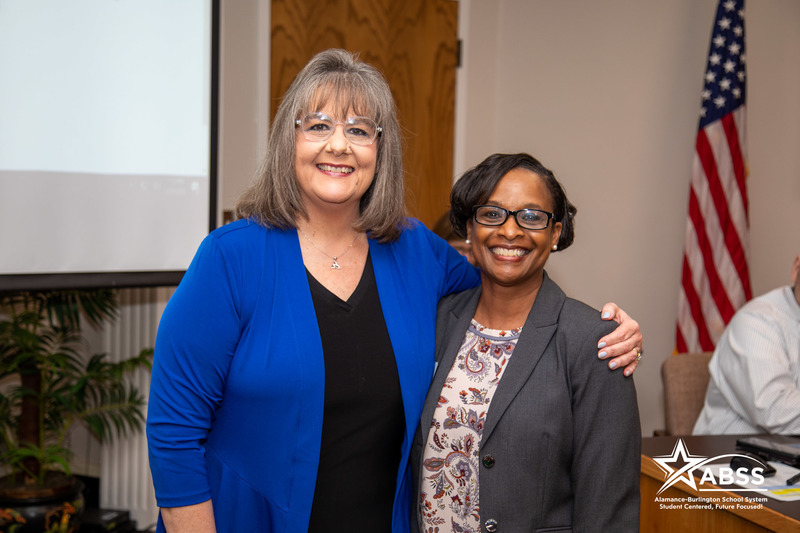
x,y
639,353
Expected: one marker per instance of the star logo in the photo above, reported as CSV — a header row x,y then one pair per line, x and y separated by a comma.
x,y
680,466
686,465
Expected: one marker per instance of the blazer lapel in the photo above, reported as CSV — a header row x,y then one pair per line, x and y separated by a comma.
x,y
452,325
539,328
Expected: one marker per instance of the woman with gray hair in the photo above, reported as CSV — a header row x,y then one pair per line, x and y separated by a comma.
x,y
293,359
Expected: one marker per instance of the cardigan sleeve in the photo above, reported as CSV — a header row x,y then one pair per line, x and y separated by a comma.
x,y
196,338
459,274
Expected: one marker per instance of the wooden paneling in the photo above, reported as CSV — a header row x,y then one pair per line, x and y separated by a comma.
x,y
414,44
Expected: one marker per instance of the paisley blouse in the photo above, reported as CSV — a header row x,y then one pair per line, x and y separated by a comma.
x,y
451,457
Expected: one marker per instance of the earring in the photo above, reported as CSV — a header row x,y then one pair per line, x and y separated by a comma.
x,y
555,247
468,241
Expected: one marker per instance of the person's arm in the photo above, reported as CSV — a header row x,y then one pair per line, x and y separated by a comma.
x,y
624,344
197,335
458,274
758,377
606,445
198,518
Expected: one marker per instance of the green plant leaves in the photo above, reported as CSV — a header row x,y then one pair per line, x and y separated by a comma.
x,y
53,385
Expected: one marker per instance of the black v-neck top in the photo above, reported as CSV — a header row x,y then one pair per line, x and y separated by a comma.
x,y
363,423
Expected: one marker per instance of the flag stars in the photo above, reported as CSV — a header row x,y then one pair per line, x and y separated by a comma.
x,y
725,75
723,98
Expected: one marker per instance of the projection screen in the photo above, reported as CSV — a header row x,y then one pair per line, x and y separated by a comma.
x,y
107,140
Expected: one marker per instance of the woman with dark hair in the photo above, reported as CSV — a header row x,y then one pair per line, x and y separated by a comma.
x,y
293,359
522,430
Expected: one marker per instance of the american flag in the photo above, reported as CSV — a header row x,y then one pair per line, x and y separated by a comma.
x,y
715,280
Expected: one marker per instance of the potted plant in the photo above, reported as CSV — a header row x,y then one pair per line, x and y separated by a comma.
x,y
48,386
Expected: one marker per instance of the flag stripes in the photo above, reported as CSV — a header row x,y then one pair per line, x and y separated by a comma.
x,y
715,279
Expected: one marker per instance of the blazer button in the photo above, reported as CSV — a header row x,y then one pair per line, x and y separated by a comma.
x,y
491,525
488,461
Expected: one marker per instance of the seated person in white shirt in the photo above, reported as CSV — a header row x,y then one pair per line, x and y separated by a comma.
x,y
755,370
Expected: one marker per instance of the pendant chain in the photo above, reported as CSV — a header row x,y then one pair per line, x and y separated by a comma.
x,y
335,265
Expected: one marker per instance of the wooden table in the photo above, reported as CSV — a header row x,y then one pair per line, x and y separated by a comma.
x,y
773,515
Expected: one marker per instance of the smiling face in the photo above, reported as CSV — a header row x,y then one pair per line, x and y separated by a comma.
x,y
334,173
509,255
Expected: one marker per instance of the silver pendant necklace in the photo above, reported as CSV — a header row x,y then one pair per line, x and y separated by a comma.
x,y
335,265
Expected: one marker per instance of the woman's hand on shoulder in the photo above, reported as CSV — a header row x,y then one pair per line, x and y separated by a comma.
x,y
623,346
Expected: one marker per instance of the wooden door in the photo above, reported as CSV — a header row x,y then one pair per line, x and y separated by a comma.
x,y
415,44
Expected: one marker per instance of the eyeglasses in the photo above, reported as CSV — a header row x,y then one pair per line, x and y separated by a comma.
x,y
491,215
318,127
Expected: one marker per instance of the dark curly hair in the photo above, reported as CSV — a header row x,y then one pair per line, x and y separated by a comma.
x,y
478,183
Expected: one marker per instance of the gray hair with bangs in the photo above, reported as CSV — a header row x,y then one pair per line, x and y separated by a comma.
x,y
338,77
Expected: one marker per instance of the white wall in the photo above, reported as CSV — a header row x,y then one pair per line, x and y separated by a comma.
x,y
244,94
607,95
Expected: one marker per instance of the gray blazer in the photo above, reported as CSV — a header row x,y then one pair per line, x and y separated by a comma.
x,y
561,444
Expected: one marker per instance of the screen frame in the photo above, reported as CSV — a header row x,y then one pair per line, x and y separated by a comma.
x,y
127,279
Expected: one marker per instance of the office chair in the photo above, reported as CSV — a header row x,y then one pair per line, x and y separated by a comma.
x,y
685,378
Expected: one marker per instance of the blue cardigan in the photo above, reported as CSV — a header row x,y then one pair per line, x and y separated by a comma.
x,y
237,390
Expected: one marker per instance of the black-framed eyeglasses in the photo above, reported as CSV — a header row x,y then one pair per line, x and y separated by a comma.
x,y
492,215
318,127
